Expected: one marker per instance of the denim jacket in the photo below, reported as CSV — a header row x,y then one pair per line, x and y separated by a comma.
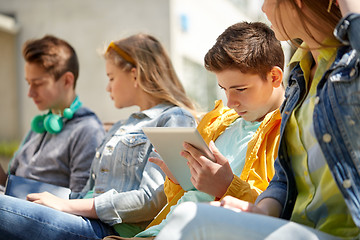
x,y
126,186
336,122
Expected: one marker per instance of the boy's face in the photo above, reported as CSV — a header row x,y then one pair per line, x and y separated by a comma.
x,y
43,89
248,94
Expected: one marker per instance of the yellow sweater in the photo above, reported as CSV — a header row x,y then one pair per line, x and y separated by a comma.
x,y
260,156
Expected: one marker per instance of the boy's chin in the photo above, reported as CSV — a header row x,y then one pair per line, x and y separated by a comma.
x,y
42,108
252,118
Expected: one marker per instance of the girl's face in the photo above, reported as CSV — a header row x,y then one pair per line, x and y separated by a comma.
x,y
121,86
282,17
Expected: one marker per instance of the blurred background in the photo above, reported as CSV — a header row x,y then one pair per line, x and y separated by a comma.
x,y
187,29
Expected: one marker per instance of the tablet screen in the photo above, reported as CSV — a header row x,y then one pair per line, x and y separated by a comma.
x,y
168,142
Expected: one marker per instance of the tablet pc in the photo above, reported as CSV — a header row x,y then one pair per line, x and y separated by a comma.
x,y
168,142
20,187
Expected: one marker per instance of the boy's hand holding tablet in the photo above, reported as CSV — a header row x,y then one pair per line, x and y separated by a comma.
x,y
204,170
169,143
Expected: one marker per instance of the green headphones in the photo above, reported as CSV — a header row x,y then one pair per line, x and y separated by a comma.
x,y
54,123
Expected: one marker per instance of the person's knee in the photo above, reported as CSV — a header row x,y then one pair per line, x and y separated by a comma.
x,y
189,220
185,211
180,223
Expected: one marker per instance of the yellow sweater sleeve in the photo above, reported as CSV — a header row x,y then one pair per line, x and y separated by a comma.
x,y
260,156
240,189
171,189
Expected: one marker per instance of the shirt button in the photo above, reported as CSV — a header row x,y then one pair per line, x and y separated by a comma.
x,y
326,137
110,148
351,122
317,100
97,155
352,72
346,183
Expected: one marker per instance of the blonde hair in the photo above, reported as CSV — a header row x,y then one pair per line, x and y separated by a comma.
x,y
155,71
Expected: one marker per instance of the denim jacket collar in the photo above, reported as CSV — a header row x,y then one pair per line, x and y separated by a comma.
x,y
152,112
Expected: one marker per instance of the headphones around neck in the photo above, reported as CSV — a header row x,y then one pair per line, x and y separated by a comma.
x,y
52,123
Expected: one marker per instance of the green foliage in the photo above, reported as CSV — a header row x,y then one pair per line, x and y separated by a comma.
x,y
8,148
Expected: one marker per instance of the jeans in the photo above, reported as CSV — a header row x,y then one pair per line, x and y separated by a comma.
x,y
20,219
192,221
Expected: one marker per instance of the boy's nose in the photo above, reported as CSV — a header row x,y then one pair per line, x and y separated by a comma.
x,y
231,104
231,101
31,92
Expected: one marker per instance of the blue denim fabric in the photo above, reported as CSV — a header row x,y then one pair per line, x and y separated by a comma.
x,y
21,219
336,116
127,187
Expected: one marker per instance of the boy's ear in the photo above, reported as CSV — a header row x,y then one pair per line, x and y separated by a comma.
x,y
69,79
276,76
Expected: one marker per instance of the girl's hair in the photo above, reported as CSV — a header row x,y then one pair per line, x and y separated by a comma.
x,y
54,55
324,18
155,71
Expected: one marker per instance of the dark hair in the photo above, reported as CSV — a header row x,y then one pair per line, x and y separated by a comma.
x,y
249,47
54,55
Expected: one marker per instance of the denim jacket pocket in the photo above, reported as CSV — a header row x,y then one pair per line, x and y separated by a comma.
x,y
135,145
